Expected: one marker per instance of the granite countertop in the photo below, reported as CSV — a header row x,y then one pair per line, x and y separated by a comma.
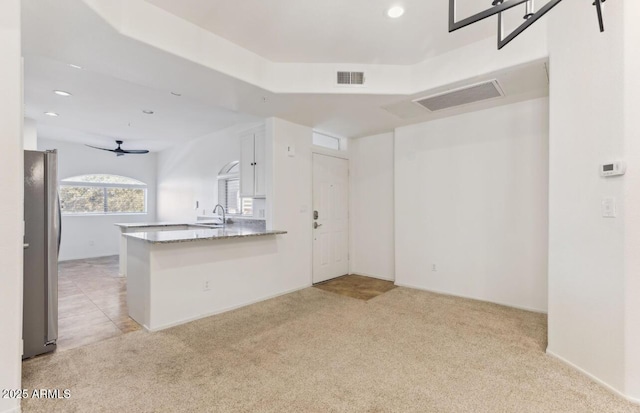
x,y
166,224
204,234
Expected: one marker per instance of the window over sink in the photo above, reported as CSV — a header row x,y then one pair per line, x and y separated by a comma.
x,y
229,191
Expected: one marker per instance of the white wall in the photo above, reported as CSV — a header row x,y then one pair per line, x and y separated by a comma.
x,y
289,196
594,291
30,134
96,235
11,207
372,206
188,173
471,198
632,197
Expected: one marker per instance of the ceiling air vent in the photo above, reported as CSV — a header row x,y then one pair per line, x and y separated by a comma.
x,y
463,96
351,78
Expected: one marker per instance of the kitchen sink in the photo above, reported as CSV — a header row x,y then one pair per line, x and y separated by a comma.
x,y
208,225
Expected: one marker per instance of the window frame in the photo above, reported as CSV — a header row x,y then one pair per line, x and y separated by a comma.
x,y
325,136
105,186
225,175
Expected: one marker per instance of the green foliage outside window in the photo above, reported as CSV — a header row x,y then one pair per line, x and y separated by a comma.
x,y
81,200
121,200
102,194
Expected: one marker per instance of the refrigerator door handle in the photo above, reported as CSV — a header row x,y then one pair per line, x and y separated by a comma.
x,y
53,245
59,222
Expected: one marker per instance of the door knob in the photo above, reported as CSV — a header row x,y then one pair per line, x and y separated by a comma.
x,y
316,225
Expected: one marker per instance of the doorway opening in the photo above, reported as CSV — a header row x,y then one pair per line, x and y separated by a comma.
x,y
92,302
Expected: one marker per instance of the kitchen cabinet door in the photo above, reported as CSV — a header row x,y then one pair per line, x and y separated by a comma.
x,y
247,168
259,163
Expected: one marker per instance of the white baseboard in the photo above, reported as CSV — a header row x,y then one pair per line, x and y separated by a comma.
x,y
224,310
519,307
379,277
592,377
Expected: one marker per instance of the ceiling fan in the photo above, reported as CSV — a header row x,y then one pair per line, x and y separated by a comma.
x,y
121,152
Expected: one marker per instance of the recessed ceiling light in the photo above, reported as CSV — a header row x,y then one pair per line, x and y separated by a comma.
x,y
147,112
176,94
51,114
75,66
61,93
395,12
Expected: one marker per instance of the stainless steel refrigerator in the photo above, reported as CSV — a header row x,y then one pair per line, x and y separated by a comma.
x,y
41,246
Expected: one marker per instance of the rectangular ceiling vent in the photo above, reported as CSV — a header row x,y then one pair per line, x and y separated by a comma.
x,y
462,96
351,78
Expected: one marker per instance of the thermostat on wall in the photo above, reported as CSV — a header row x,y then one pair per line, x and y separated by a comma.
x,y
613,169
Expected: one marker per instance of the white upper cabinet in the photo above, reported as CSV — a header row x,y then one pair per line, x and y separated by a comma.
x,y
247,170
259,164
252,164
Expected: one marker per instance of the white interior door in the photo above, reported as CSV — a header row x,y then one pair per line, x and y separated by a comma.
x,y
331,226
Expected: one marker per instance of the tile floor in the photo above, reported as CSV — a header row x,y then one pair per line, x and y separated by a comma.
x,y
92,299
357,286
92,302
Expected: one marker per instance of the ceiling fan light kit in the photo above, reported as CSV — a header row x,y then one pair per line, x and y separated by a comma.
x,y
121,152
500,6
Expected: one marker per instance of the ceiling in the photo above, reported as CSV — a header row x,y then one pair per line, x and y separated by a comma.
x,y
333,31
121,76
106,108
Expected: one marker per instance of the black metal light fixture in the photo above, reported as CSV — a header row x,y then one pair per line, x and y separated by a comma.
x,y
500,6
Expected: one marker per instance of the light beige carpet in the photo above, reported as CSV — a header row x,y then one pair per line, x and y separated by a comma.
x,y
314,351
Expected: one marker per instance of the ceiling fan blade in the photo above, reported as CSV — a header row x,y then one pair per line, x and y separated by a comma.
x,y
135,151
121,152
102,149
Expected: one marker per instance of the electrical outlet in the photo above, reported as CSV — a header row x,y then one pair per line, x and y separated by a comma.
x,y
434,268
206,286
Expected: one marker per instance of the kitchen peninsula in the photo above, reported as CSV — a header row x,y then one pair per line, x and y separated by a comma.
x,y
181,272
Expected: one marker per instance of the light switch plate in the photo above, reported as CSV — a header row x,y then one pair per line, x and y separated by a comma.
x,y
291,150
609,207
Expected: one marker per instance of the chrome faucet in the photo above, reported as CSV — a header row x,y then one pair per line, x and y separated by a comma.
x,y
224,219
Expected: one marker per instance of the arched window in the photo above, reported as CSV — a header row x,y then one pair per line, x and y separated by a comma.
x,y
100,194
229,191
